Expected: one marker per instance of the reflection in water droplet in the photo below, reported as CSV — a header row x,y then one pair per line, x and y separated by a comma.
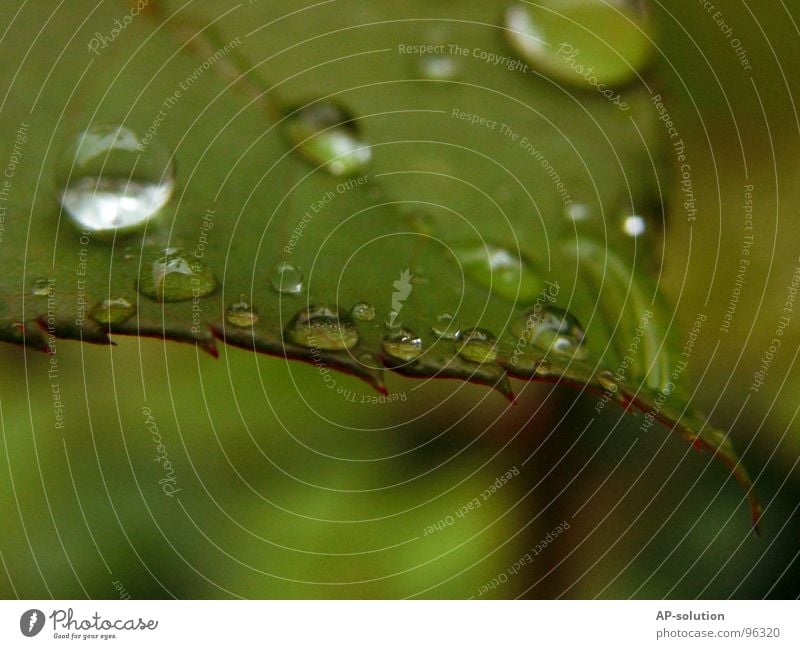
x,y
172,275
402,344
634,226
114,310
477,345
550,328
327,135
438,67
241,314
40,287
588,43
319,327
113,180
507,274
445,327
363,311
287,278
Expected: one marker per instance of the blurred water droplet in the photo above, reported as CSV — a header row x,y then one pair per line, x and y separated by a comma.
x,y
287,278
113,180
114,310
40,287
507,274
588,43
319,327
172,275
241,314
550,328
634,226
578,212
477,345
327,135
363,311
402,344
438,67
445,327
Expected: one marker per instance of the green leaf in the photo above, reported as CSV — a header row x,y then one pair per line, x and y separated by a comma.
x,y
454,194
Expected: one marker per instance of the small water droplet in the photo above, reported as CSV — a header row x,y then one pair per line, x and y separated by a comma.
x,y
606,379
507,274
287,278
437,67
363,311
578,212
173,275
402,344
114,180
327,134
241,314
588,43
634,226
114,310
445,327
319,327
40,287
550,328
477,345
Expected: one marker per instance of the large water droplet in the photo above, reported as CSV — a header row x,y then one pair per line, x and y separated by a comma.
x,y
112,180
114,310
402,344
319,327
241,314
287,278
589,43
477,345
507,274
550,328
327,134
363,311
40,287
173,275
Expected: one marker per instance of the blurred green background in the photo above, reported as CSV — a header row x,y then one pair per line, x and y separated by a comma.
x,y
292,488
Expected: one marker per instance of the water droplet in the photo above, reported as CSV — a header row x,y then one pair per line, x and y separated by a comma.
x,y
113,180
172,275
578,212
589,43
241,314
550,328
477,345
114,310
634,226
40,287
402,344
439,67
445,327
507,274
319,327
287,278
327,134
363,311
606,379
